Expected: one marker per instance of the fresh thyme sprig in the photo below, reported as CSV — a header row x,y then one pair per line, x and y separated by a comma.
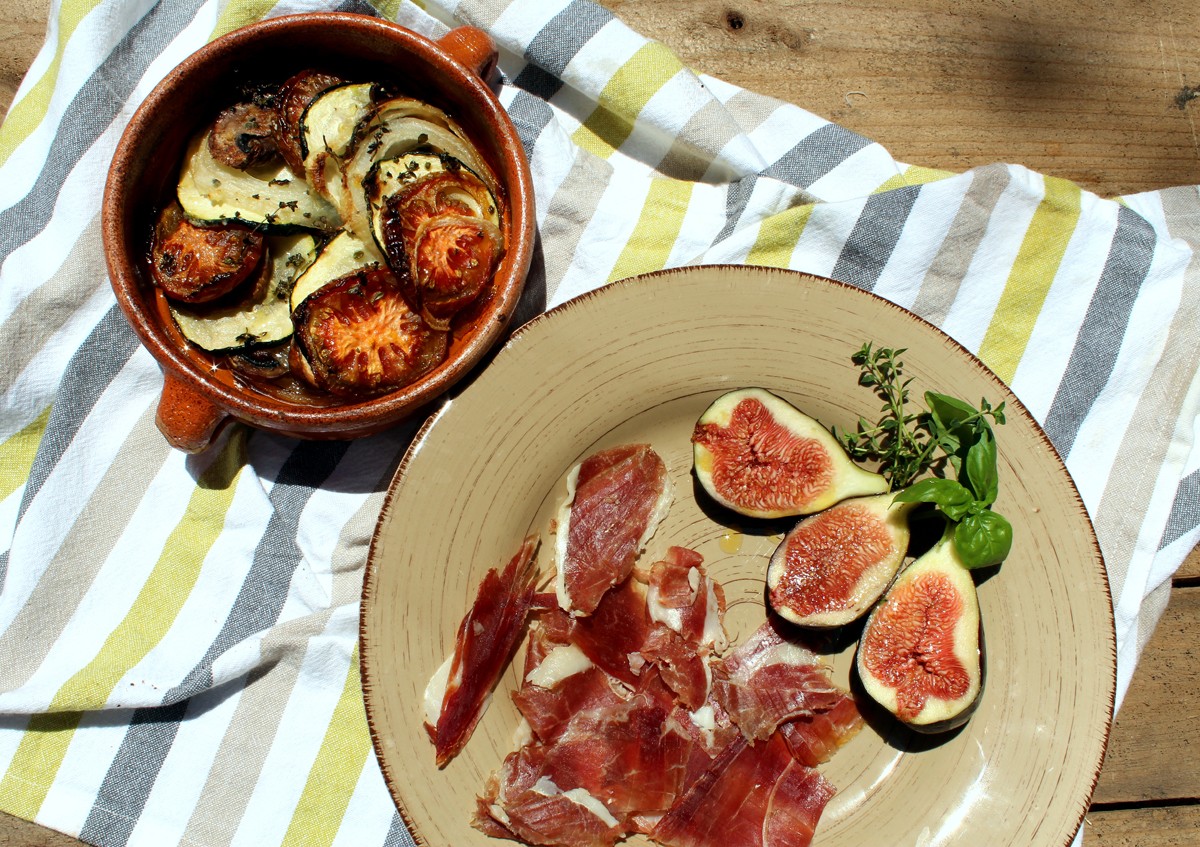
x,y
899,440
951,431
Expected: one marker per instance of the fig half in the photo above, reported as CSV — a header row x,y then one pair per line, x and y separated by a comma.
x,y
920,655
832,567
759,455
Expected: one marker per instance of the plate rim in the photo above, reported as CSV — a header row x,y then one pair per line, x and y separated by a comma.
x,y
549,317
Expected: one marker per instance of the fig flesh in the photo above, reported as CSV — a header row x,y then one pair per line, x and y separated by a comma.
x,y
920,655
832,566
760,456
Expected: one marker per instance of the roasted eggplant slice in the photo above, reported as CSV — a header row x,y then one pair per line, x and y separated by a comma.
x,y
295,96
357,337
197,264
270,196
264,316
342,256
260,362
243,135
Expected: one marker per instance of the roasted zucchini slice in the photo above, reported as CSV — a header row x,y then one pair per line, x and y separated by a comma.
x,y
344,254
329,122
270,196
294,97
264,316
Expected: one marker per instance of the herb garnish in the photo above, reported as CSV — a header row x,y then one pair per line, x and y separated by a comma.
x,y
952,432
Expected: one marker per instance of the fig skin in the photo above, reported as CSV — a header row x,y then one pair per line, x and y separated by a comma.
x,y
818,576
918,605
757,454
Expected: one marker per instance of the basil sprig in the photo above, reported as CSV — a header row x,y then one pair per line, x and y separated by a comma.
x,y
982,536
952,438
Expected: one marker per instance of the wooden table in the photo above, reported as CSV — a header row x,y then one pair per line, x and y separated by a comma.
x,y
1103,92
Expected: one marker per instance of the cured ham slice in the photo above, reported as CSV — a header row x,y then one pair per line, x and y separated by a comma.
x,y
614,634
560,681
683,670
523,803
610,765
615,500
768,680
685,600
751,796
483,646
814,739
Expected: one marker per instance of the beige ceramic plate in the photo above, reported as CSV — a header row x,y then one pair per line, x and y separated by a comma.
x,y
640,360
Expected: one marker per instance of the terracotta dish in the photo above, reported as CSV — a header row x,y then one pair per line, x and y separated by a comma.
x,y
197,399
639,361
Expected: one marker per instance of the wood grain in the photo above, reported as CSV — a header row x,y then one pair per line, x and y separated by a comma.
x,y
1156,741
22,31
1171,826
1098,91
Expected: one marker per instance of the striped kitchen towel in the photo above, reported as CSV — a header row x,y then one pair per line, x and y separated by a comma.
x,y
178,657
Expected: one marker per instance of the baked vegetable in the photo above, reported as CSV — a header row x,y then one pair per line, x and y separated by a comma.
x,y
342,256
295,96
263,317
196,264
438,225
270,196
357,336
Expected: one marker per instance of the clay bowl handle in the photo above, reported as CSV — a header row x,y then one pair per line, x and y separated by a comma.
x,y
472,48
187,420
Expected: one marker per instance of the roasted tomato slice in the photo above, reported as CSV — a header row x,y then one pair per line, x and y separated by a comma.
x,y
243,135
441,231
357,336
295,95
197,264
452,262
455,192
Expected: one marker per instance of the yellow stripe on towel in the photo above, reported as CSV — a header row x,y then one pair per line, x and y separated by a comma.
x,y
336,770
1038,260
624,97
236,15
658,226
16,454
25,115
777,237
44,745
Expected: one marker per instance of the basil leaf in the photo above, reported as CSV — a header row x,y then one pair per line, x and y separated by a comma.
x,y
950,496
947,410
953,426
983,539
981,469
